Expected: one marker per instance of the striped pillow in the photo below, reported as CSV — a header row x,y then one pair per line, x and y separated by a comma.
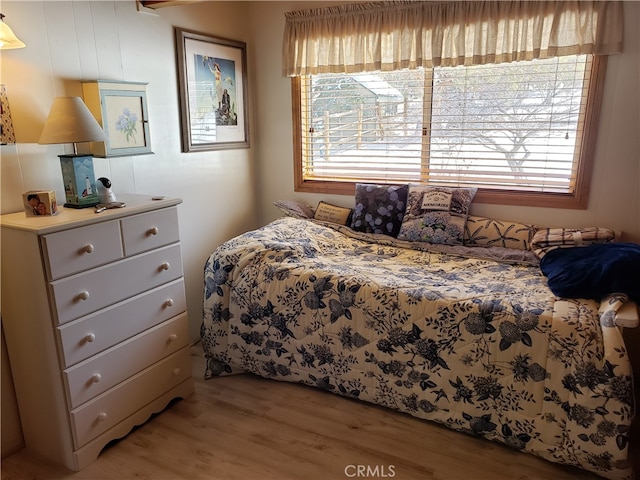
x,y
548,239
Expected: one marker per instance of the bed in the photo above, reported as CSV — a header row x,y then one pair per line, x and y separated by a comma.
x,y
471,337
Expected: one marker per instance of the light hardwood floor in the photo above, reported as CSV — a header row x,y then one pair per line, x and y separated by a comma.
x,y
244,427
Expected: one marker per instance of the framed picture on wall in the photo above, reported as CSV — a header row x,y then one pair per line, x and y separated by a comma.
x,y
121,110
212,75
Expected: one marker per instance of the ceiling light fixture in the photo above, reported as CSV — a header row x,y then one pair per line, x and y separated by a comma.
x,y
8,39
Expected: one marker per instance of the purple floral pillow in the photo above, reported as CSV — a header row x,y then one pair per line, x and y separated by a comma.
x,y
379,208
436,214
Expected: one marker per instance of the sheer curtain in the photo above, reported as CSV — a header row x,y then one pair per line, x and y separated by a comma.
x,y
408,34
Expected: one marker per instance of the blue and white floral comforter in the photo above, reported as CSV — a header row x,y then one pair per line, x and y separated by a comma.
x,y
477,344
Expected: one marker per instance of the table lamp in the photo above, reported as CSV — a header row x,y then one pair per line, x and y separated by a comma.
x,y
70,121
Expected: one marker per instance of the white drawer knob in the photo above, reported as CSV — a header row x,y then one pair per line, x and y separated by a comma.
x,y
102,416
165,266
96,377
89,337
176,371
168,302
153,231
87,248
84,295
173,337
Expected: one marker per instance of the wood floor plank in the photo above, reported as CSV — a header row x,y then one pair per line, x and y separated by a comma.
x,y
245,427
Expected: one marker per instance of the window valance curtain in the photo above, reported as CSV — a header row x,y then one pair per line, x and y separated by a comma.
x,y
408,34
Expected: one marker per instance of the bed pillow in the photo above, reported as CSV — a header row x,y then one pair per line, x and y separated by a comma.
x,y
487,232
291,208
332,213
594,271
548,239
379,208
436,214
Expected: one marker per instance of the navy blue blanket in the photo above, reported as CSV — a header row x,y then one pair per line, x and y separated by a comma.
x,y
594,271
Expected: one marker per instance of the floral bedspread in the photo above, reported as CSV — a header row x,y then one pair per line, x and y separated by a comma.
x,y
480,345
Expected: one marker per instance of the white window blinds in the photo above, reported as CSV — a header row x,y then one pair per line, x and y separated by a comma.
x,y
515,126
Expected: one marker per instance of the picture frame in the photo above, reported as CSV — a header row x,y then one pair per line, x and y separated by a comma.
x,y
121,111
212,74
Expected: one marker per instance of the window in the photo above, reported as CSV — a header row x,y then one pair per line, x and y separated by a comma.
x,y
523,132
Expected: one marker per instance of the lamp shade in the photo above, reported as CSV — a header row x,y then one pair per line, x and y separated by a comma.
x,y
8,39
70,121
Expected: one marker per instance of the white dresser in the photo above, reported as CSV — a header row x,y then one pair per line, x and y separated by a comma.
x,y
94,313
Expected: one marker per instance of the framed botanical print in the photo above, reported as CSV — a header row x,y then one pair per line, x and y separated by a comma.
x,y
212,74
121,111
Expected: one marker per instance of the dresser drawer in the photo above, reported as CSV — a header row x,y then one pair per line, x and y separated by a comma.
x,y
106,410
91,291
98,374
82,248
96,332
149,230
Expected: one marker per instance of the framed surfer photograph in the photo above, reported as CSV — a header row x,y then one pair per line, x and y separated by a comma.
x,y
212,85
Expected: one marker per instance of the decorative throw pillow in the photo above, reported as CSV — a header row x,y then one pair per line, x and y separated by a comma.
x,y
487,232
548,239
379,208
332,213
291,208
436,214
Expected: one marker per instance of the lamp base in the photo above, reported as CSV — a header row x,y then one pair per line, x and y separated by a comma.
x,y
79,181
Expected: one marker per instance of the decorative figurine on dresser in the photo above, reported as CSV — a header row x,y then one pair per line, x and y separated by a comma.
x,y
95,321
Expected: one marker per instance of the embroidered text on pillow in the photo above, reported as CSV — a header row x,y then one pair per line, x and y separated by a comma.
x,y
436,200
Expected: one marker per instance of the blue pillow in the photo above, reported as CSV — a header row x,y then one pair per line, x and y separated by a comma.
x,y
594,271
379,208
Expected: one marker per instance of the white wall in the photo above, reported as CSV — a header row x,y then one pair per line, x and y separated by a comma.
x,y
615,190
